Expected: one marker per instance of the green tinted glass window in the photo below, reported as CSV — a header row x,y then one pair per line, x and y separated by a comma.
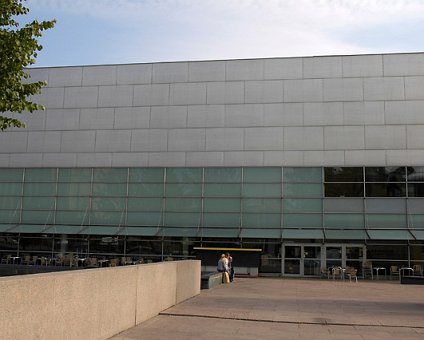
x,y
77,175
184,175
183,190
182,219
260,233
262,175
10,202
183,204
40,175
109,189
108,203
262,190
107,218
222,190
145,190
73,203
144,218
10,189
72,217
146,175
221,220
222,175
302,221
302,175
416,221
37,217
180,232
302,190
222,205
74,189
40,189
343,221
261,205
145,204
385,221
9,216
11,175
110,175
261,220
302,205
38,203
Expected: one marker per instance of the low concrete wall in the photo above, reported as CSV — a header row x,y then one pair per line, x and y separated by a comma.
x,y
92,303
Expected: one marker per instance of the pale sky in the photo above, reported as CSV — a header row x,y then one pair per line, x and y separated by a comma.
x,y
136,31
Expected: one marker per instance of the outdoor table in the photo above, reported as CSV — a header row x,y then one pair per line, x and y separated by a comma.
x,y
16,259
402,271
103,263
377,270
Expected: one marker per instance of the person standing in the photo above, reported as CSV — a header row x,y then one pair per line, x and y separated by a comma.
x,y
224,269
230,266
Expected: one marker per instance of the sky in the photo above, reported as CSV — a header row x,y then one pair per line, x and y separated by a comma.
x,y
92,32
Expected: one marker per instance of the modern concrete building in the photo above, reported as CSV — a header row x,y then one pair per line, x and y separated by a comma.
x,y
316,160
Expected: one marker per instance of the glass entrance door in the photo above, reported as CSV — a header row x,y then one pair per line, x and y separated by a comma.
x,y
302,260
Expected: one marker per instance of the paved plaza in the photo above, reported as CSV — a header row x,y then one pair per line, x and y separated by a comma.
x,y
274,308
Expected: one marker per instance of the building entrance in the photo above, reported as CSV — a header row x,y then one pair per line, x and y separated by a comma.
x,y
312,260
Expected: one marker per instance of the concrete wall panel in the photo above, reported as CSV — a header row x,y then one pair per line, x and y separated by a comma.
x,y
132,117
304,90
134,74
78,141
346,89
414,88
113,140
170,72
146,95
92,119
149,140
188,93
287,114
114,96
51,97
283,68
168,117
322,67
243,115
81,97
323,113
224,139
206,71
385,137
344,137
244,69
197,159
130,159
269,91
403,64
206,116
65,76
363,113
186,140
362,66
92,304
225,93
99,75
389,88
303,138
244,158
44,141
13,141
266,138
63,119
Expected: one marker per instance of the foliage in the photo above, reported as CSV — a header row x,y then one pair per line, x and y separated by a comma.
x,y
18,49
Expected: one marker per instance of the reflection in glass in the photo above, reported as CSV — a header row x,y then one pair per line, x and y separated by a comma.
x,y
293,252
343,174
415,189
415,173
385,174
344,190
312,267
385,189
292,267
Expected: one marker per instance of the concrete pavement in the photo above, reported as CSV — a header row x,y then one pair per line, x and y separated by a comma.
x,y
274,308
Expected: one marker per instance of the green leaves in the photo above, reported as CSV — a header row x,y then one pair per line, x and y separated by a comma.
x,y
18,49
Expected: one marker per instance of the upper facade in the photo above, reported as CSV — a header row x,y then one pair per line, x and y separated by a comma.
x,y
359,110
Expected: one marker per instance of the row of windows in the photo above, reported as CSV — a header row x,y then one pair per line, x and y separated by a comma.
x,y
374,174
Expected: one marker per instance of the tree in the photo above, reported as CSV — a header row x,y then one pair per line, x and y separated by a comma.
x,y
18,49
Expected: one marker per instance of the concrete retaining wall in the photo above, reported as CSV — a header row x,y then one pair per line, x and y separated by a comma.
x,y
93,303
